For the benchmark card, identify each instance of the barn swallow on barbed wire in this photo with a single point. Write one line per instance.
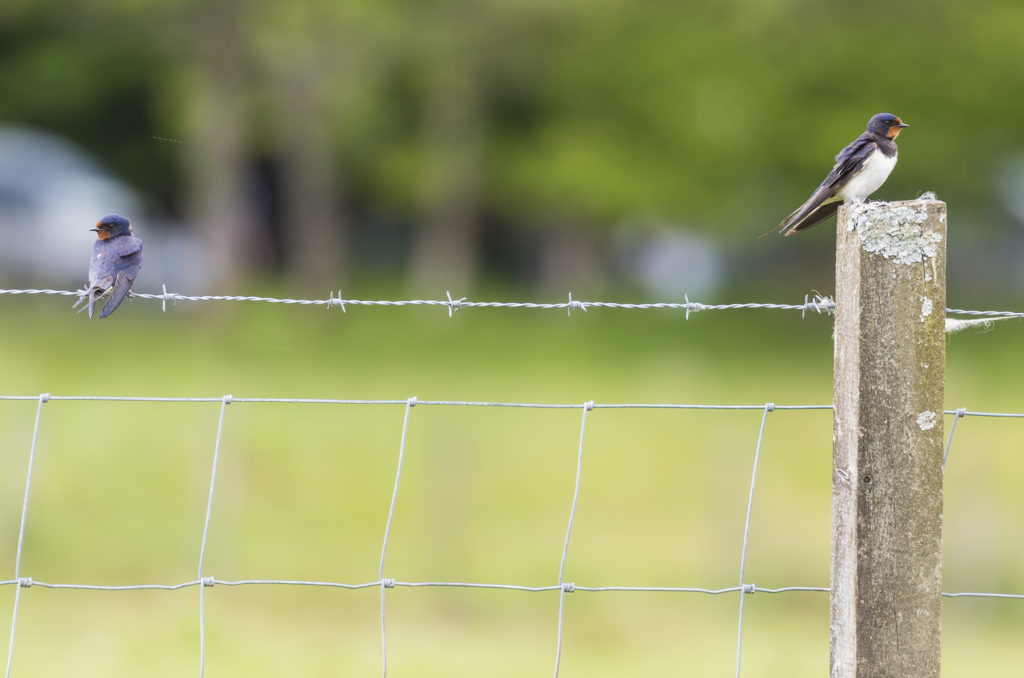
(860, 169)
(116, 260)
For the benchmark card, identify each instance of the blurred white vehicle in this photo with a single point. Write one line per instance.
(51, 194)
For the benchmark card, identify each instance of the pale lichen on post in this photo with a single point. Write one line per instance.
(896, 230)
(926, 420)
(926, 305)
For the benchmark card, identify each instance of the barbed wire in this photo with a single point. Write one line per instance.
(816, 303)
(562, 586)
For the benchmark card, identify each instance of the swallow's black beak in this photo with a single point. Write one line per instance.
(95, 229)
(903, 124)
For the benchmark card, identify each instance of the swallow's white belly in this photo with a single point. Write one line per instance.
(874, 173)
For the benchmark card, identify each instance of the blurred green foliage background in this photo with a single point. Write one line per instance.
(446, 142)
(500, 150)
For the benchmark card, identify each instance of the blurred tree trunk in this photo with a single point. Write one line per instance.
(216, 156)
(315, 232)
(570, 259)
(445, 246)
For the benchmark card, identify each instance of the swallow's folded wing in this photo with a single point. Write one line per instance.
(820, 205)
(127, 269)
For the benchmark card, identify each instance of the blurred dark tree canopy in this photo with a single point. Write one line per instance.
(306, 133)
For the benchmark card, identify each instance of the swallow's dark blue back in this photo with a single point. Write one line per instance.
(115, 264)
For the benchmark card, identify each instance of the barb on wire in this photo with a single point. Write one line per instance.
(453, 304)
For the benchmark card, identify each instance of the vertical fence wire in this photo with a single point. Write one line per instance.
(43, 398)
(387, 583)
(960, 413)
(564, 588)
(745, 588)
(203, 581)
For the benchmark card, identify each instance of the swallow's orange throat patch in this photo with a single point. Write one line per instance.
(102, 235)
(894, 131)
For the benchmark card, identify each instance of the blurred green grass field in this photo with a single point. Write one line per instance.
(119, 490)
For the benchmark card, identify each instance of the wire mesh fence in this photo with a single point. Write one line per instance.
(388, 579)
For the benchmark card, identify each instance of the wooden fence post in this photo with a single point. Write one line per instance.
(887, 439)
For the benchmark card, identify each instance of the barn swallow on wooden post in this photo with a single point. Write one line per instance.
(116, 260)
(860, 169)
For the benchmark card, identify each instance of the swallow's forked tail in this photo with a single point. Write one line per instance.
(773, 229)
(794, 217)
(805, 216)
(91, 295)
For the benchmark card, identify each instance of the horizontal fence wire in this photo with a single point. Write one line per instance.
(819, 304)
(562, 586)
(571, 587)
(960, 412)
